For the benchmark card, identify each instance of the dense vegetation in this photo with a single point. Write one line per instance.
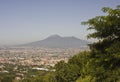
(101, 63)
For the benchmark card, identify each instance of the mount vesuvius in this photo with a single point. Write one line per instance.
(56, 41)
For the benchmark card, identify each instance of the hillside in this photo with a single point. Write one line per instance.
(56, 41)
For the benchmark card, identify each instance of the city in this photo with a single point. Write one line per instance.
(18, 61)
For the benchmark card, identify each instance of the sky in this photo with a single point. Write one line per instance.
(24, 21)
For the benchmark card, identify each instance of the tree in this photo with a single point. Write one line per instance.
(7, 79)
(80, 60)
(106, 28)
(66, 72)
(101, 64)
(105, 54)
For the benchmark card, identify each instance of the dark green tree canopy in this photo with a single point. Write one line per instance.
(106, 27)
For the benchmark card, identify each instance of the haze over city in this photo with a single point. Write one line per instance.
(23, 21)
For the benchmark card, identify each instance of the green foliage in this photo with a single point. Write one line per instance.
(7, 79)
(105, 54)
(80, 60)
(75, 68)
(106, 28)
(46, 77)
(50, 77)
(68, 72)
(86, 79)
(102, 63)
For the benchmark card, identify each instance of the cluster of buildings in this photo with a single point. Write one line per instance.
(19, 61)
(35, 56)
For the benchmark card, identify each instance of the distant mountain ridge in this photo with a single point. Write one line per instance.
(56, 41)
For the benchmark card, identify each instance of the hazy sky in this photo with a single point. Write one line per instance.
(23, 21)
